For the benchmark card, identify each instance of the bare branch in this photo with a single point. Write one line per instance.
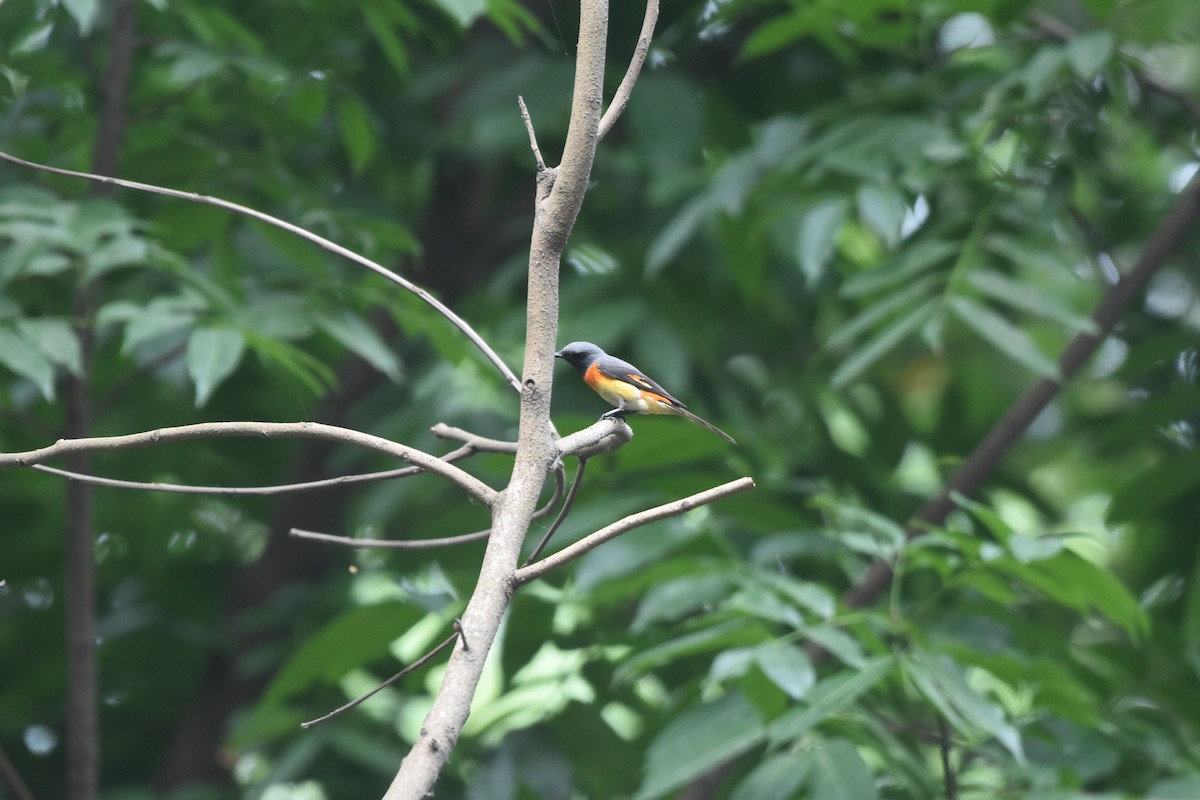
(562, 515)
(389, 544)
(427, 544)
(533, 145)
(295, 230)
(949, 779)
(415, 665)
(179, 488)
(266, 430)
(480, 443)
(12, 778)
(621, 97)
(591, 541)
(602, 436)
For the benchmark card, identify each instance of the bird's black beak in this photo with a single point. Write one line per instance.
(558, 354)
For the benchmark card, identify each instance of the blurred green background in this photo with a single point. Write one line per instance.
(849, 232)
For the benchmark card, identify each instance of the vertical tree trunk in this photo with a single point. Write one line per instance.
(83, 672)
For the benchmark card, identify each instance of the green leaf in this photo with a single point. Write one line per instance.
(1184, 787)
(839, 773)
(358, 132)
(829, 697)
(212, 355)
(1145, 493)
(1094, 587)
(1090, 52)
(698, 739)
(1003, 335)
(882, 208)
(393, 48)
(349, 641)
(778, 32)
(24, 359)
(590, 258)
(278, 315)
(1040, 73)
(845, 647)
(881, 344)
(676, 234)
(787, 666)
(84, 13)
(1030, 299)
(143, 323)
(120, 251)
(817, 234)
(990, 519)
(812, 596)
(878, 311)
(734, 633)
(359, 337)
(941, 681)
(464, 11)
(56, 340)
(776, 777)
(914, 259)
(673, 599)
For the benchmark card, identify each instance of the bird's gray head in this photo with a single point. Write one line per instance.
(580, 355)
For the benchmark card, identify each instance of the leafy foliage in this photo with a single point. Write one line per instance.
(849, 232)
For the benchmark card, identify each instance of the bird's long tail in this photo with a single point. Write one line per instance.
(683, 412)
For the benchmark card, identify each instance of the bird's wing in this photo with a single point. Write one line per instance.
(620, 370)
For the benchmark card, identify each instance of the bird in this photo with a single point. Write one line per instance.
(627, 387)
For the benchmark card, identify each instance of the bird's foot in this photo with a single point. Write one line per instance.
(616, 413)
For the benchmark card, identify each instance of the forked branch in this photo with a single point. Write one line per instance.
(594, 540)
(264, 430)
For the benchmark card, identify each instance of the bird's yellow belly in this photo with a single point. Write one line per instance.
(634, 399)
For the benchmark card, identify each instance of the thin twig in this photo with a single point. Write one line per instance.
(265, 430)
(621, 96)
(562, 514)
(389, 544)
(949, 779)
(13, 778)
(296, 230)
(180, 488)
(426, 544)
(591, 541)
(415, 665)
(533, 145)
(480, 443)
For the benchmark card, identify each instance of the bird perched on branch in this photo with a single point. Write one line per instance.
(626, 387)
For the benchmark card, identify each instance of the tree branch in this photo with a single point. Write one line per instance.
(559, 197)
(475, 442)
(426, 544)
(12, 778)
(591, 541)
(415, 665)
(625, 90)
(562, 515)
(295, 230)
(533, 145)
(602, 436)
(178, 488)
(267, 430)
